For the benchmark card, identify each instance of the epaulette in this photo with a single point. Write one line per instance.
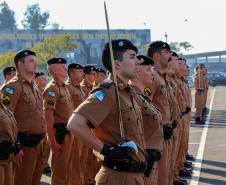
(106, 84)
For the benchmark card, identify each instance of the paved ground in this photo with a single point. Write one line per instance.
(207, 142)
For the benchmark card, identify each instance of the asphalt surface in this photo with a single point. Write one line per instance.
(207, 143)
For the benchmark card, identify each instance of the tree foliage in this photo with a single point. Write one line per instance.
(51, 46)
(7, 18)
(34, 19)
(179, 47)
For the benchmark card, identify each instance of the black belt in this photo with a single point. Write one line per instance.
(30, 140)
(132, 167)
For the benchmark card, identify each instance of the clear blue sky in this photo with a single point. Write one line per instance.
(201, 22)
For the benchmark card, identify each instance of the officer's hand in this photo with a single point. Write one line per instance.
(55, 147)
(18, 158)
(116, 152)
(188, 109)
(167, 131)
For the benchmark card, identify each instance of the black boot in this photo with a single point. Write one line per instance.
(188, 164)
(198, 121)
(190, 157)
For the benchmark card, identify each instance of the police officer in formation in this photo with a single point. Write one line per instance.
(135, 131)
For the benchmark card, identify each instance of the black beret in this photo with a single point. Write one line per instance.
(182, 59)
(56, 61)
(75, 66)
(174, 54)
(88, 69)
(8, 69)
(145, 60)
(23, 53)
(159, 45)
(202, 65)
(99, 70)
(39, 74)
(121, 44)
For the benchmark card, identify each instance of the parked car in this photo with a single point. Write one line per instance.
(217, 78)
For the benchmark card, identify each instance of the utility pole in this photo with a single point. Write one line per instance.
(166, 37)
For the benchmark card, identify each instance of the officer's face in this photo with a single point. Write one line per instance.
(29, 64)
(77, 74)
(173, 64)
(100, 77)
(91, 77)
(146, 75)
(128, 64)
(60, 70)
(41, 81)
(165, 57)
(11, 75)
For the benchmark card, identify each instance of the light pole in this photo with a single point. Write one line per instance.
(166, 37)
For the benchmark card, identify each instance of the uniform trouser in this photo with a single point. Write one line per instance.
(177, 147)
(153, 178)
(6, 176)
(75, 172)
(181, 150)
(92, 167)
(164, 165)
(187, 129)
(83, 164)
(174, 149)
(205, 98)
(199, 102)
(33, 163)
(107, 176)
(61, 162)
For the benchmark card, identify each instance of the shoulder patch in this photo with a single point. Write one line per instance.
(9, 90)
(6, 100)
(51, 94)
(100, 95)
(147, 91)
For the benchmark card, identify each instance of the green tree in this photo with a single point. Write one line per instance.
(52, 46)
(34, 19)
(179, 47)
(7, 18)
(7, 59)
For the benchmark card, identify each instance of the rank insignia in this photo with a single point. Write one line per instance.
(126, 109)
(9, 90)
(6, 100)
(50, 102)
(147, 91)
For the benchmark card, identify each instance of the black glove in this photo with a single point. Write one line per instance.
(188, 109)
(174, 124)
(116, 152)
(17, 147)
(167, 131)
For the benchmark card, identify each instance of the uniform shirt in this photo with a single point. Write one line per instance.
(159, 96)
(87, 88)
(77, 94)
(199, 82)
(181, 96)
(8, 128)
(152, 118)
(173, 94)
(100, 109)
(24, 99)
(57, 98)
